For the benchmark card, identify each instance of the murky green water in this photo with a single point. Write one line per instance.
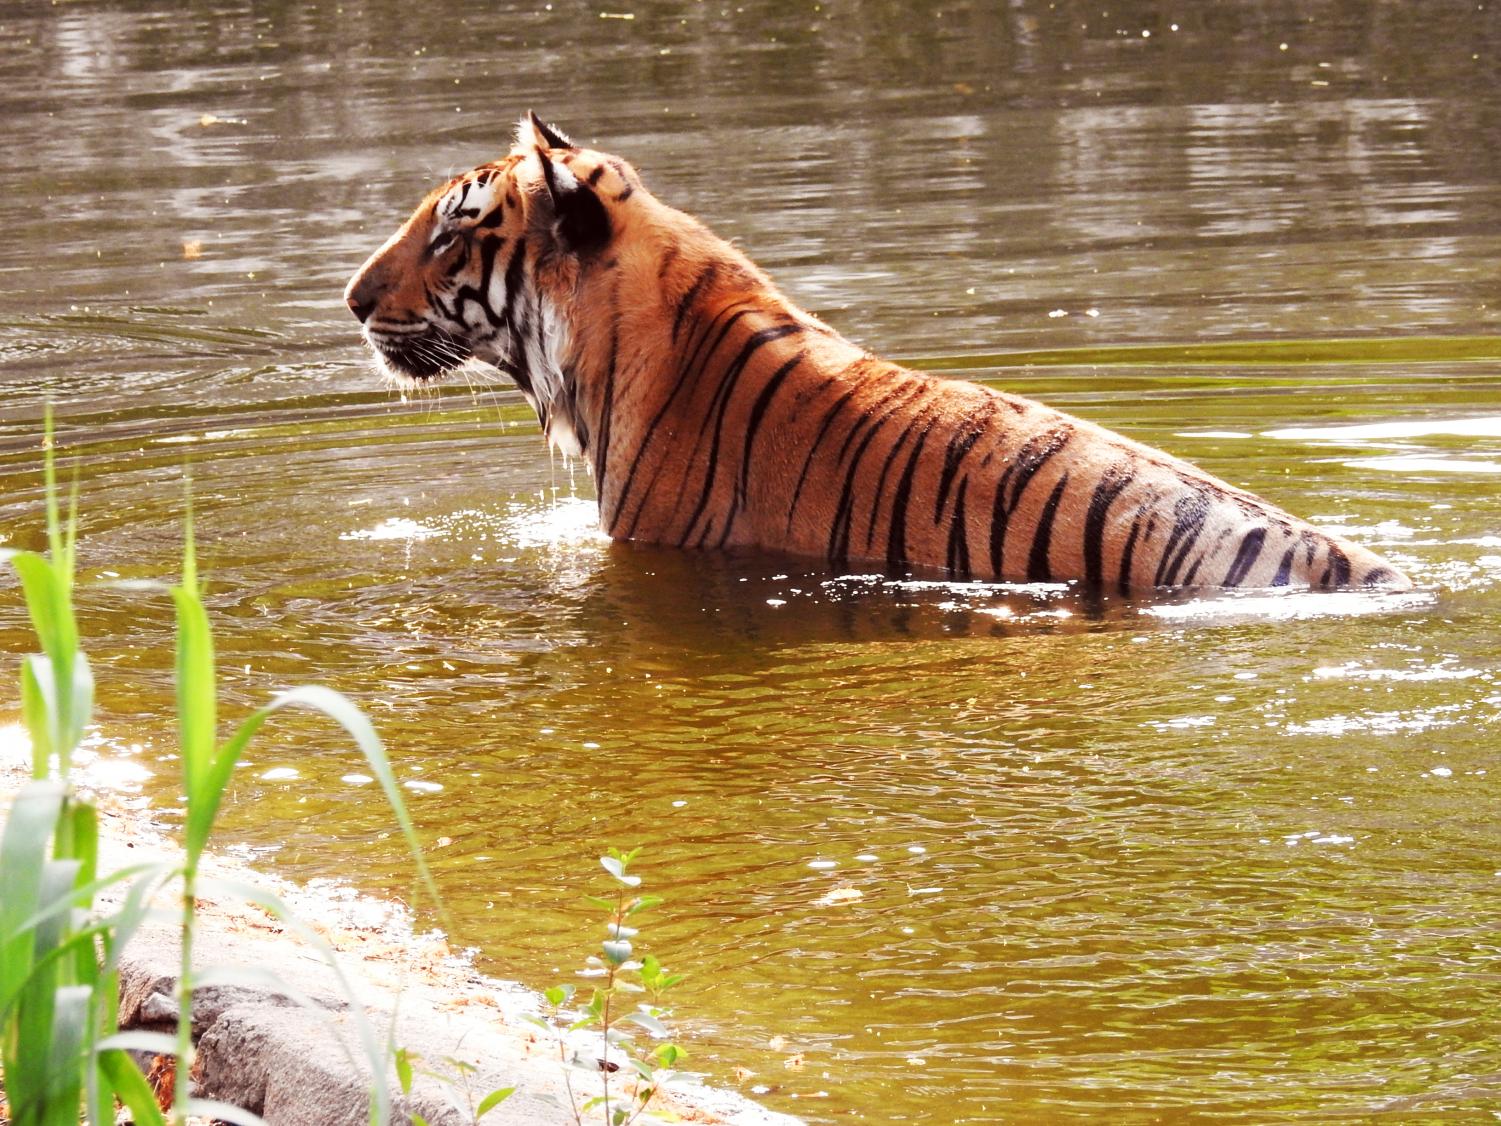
(1234, 858)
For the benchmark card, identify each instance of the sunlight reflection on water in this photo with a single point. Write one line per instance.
(1293, 605)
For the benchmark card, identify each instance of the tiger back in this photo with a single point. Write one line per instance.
(714, 413)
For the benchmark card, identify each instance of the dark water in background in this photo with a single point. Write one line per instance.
(1237, 860)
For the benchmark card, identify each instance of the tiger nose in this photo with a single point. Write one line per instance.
(360, 303)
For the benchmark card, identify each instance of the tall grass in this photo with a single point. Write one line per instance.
(61, 1054)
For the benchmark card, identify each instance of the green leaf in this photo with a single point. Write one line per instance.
(643, 903)
(130, 1086)
(667, 1055)
(196, 699)
(493, 1100)
(463, 1067)
(559, 995)
(342, 710)
(37, 712)
(616, 869)
(66, 1061)
(646, 1021)
(23, 847)
(45, 603)
(58, 880)
(140, 1040)
(642, 1068)
(616, 952)
(404, 1070)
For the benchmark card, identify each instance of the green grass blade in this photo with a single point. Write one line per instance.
(136, 906)
(130, 1087)
(203, 811)
(37, 713)
(55, 714)
(48, 601)
(65, 1055)
(343, 711)
(158, 872)
(23, 849)
(493, 1100)
(49, 475)
(59, 879)
(196, 703)
(106, 1018)
(80, 705)
(140, 1040)
(82, 823)
(26, 992)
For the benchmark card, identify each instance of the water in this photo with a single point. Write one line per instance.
(976, 854)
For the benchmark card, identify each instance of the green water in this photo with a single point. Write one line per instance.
(1235, 859)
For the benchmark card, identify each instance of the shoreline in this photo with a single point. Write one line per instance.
(289, 1049)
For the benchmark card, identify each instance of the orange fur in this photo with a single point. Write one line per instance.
(715, 413)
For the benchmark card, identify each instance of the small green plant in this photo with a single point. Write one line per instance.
(607, 1014)
(61, 1055)
(457, 1077)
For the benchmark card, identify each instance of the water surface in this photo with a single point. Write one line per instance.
(974, 853)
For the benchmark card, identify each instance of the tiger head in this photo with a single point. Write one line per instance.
(490, 267)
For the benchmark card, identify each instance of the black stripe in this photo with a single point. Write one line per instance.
(514, 270)
(686, 302)
(828, 420)
(879, 492)
(1125, 583)
(1036, 453)
(1038, 570)
(1285, 568)
(839, 533)
(719, 408)
(958, 447)
(607, 408)
(753, 424)
(1250, 551)
(958, 551)
(689, 365)
(1188, 523)
(896, 541)
(1340, 564)
(1112, 483)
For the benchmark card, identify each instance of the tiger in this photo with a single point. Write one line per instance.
(713, 413)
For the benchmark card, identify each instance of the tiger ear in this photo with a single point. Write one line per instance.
(534, 133)
(579, 220)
